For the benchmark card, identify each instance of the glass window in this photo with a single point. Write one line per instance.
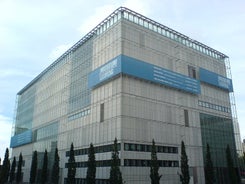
(102, 112)
(111, 21)
(176, 164)
(141, 22)
(142, 148)
(171, 35)
(148, 148)
(170, 149)
(143, 163)
(132, 147)
(133, 162)
(150, 26)
(131, 18)
(115, 18)
(198, 47)
(126, 162)
(218, 133)
(136, 20)
(125, 15)
(184, 41)
(159, 30)
(200, 103)
(160, 149)
(175, 150)
(119, 16)
(137, 147)
(192, 72)
(175, 37)
(163, 32)
(154, 28)
(186, 116)
(194, 45)
(146, 24)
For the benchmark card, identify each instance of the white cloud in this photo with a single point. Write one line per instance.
(100, 14)
(58, 51)
(141, 6)
(14, 73)
(5, 134)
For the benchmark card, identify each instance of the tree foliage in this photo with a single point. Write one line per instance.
(184, 175)
(115, 173)
(55, 168)
(71, 167)
(154, 165)
(5, 168)
(33, 172)
(45, 168)
(12, 171)
(91, 171)
(209, 170)
(19, 169)
(230, 166)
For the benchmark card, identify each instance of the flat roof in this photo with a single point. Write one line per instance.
(125, 13)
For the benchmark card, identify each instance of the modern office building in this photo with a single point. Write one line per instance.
(136, 80)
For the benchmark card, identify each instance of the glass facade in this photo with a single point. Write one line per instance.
(214, 106)
(25, 111)
(46, 132)
(218, 133)
(81, 64)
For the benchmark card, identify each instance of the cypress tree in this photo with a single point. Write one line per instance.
(243, 157)
(209, 170)
(56, 168)
(71, 167)
(5, 168)
(91, 171)
(230, 165)
(115, 173)
(45, 168)
(184, 176)
(19, 169)
(154, 165)
(12, 171)
(33, 172)
(0, 167)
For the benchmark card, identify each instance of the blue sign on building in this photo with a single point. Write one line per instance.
(21, 139)
(105, 72)
(140, 69)
(215, 79)
(159, 75)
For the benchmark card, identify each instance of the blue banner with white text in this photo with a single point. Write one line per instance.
(140, 69)
(21, 139)
(215, 79)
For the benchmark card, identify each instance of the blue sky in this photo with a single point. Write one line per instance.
(34, 33)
